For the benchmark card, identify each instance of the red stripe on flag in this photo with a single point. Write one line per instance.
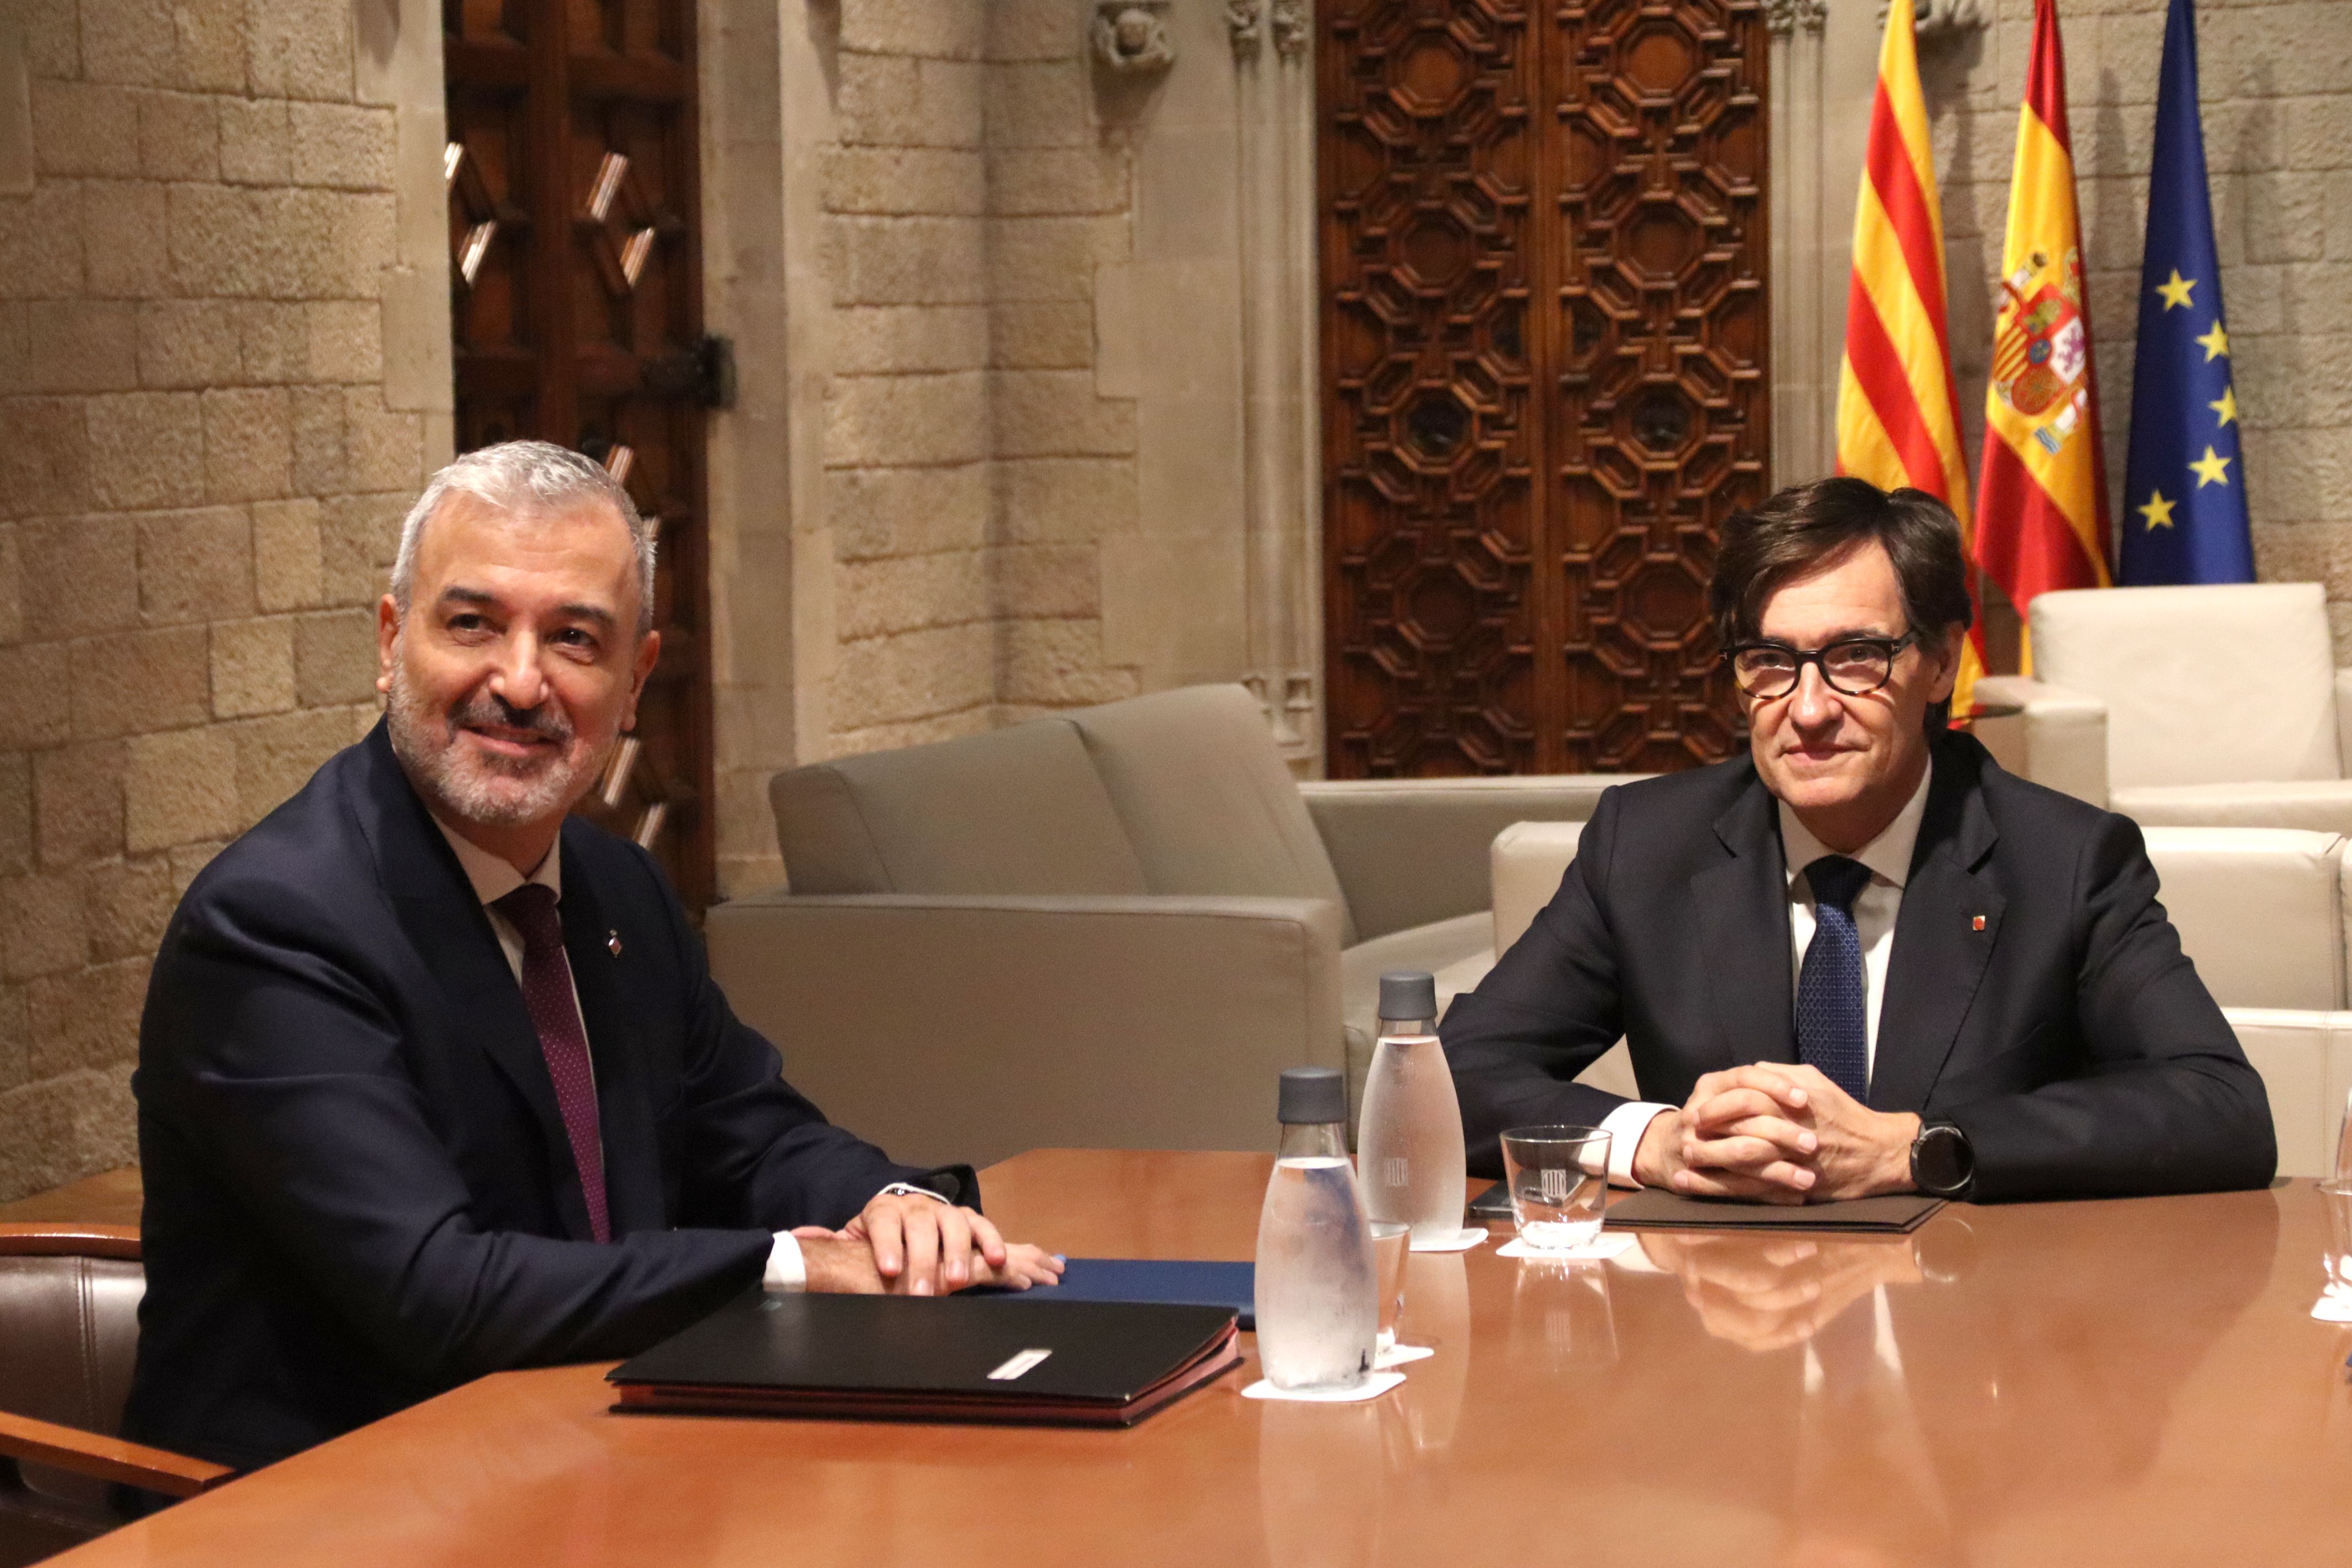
(2045, 74)
(2023, 537)
(1878, 368)
(1897, 184)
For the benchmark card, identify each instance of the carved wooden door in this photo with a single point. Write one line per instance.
(576, 277)
(1544, 254)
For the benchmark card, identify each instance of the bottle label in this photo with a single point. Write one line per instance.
(1396, 1171)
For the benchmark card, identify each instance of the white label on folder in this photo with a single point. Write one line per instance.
(1017, 1365)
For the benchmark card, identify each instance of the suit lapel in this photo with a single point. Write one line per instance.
(1940, 950)
(633, 1186)
(1743, 905)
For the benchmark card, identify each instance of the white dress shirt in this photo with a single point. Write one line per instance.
(493, 879)
(1888, 855)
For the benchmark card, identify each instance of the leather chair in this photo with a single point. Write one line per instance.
(1111, 927)
(68, 1332)
(2305, 1059)
(2185, 707)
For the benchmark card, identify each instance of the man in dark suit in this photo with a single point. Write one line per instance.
(1862, 959)
(434, 1079)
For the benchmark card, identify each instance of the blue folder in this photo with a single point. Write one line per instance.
(1177, 1282)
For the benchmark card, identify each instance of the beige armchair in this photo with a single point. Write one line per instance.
(2186, 707)
(1110, 927)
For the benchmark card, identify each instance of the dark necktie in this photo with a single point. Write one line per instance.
(1832, 1025)
(562, 1038)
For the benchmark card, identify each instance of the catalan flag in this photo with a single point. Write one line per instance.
(2042, 515)
(2184, 516)
(1899, 419)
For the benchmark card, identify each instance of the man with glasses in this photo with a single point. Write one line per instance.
(1862, 959)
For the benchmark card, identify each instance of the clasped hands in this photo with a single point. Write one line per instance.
(902, 1245)
(1776, 1134)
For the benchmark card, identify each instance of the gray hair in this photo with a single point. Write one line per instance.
(526, 478)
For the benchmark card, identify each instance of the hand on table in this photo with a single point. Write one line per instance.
(903, 1246)
(1776, 1132)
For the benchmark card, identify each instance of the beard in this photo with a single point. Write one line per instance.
(494, 792)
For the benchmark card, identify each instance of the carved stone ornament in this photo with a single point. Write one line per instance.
(1948, 18)
(1783, 17)
(1246, 20)
(1294, 27)
(1131, 35)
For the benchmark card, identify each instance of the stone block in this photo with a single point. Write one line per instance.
(253, 667)
(948, 180)
(88, 1019)
(893, 100)
(248, 450)
(341, 145)
(82, 345)
(1037, 30)
(879, 338)
(211, 44)
(898, 420)
(1058, 181)
(2319, 298)
(130, 41)
(385, 450)
(2317, 131)
(1032, 258)
(256, 141)
(195, 566)
(345, 341)
(911, 261)
(948, 29)
(45, 461)
(186, 860)
(277, 756)
(1054, 412)
(274, 341)
(147, 449)
(15, 815)
(2339, 209)
(876, 598)
(334, 657)
(223, 243)
(1058, 664)
(362, 231)
(40, 243)
(12, 588)
(179, 136)
(1038, 105)
(43, 927)
(15, 349)
(321, 467)
(65, 1129)
(81, 576)
(187, 343)
(129, 682)
(52, 37)
(78, 803)
(915, 675)
(2282, 217)
(907, 512)
(299, 50)
(85, 127)
(358, 536)
(1053, 501)
(129, 903)
(37, 709)
(182, 788)
(1042, 579)
(288, 567)
(891, 737)
(126, 238)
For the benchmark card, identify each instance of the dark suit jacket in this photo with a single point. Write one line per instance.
(2069, 1038)
(358, 1192)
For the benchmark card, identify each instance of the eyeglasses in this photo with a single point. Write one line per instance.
(1854, 665)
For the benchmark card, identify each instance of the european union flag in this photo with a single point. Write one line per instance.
(2185, 487)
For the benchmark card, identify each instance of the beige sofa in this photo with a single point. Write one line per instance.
(2261, 911)
(1111, 927)
(2185, 707)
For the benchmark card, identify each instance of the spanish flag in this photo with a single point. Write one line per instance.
(2043, 521)
(1898, 420)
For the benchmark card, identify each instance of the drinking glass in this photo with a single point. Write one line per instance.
(2335, 1304)
(1392, 1242)
(1559, 1180)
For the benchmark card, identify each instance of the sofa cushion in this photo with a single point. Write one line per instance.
(2313, 805)
(2203, 685)
(2259, 911)
(1205, 799)
(1018, 810)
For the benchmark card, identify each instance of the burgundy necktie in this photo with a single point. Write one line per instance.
(563, 1039)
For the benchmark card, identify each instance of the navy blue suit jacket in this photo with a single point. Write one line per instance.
(2036, 995)
(358, 1192)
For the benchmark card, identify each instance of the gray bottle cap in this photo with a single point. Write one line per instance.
(1312, 1095)
(1408, 993)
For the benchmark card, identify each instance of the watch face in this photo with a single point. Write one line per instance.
(1942, 1162)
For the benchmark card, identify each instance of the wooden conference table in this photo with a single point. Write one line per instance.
(2134, 1382)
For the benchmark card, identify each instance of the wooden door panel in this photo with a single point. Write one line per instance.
(578, 317)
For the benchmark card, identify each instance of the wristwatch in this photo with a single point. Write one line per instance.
(1942, 1164)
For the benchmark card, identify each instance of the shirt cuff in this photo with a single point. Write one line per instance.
(1626, 1126)
(787, 1270)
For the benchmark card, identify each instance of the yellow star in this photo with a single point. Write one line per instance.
(2210, 470)
(2176, 291)
(2158, 511)
(2227, 407)
(2216, 342)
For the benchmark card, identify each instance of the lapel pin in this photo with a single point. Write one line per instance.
(613, 938)
(1975, 924)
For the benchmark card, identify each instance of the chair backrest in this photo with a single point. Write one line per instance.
(1528, 860)
(69, 1333)
(2260, 912)
(2205, 685)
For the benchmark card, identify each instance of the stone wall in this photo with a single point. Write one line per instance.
(2276, 81)
(223, 369)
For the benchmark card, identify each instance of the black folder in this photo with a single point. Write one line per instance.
(1653, 1209)
(957, 1358)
